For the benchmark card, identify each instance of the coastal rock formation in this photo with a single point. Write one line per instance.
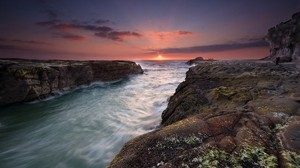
(197, 60)
(28, 80)
(225, 114)
(284, 40)
(230, 114)
(193, 61)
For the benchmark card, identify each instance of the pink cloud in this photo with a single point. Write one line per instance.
(171, 35)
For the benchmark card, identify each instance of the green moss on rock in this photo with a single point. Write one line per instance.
(292, 158)
(245, 157)
(179, 141)
(28, 71)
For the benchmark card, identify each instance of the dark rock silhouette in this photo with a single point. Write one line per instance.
(284, 40)
(198, 60)
(193, 61)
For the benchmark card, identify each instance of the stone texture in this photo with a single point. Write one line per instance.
(28, 80)
(284, 40)
(225, 114)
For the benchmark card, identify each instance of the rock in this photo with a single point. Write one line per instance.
(284, 40)
(197, 60)
(193, 61)
(28, 80)
(225, 114)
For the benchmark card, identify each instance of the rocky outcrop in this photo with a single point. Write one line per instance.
(193, 61)
(197, 60)
(28, 80)
(225, 114)
(284, 40)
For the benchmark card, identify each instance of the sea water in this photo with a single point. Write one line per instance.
(87, 127)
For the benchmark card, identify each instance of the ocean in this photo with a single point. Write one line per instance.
(88, 126)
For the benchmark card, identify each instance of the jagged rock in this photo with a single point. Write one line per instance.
(28, 80)
(284, 40)
(225, 114)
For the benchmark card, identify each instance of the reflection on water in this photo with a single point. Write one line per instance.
(87, 128)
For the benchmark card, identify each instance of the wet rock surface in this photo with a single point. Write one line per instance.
(225, 114)
(28, 80)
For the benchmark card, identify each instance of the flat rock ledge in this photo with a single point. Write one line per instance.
(225, 114)
(28, 80)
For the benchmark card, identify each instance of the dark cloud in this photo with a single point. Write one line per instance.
(48, 23)
(185, 32)
(24, 41)
(30, 42)
(102, 21)
(117, 35)
(69, 36)
(99, 31)
(251, 38)
(8, 47)
(215, 47)
(5, 47)
(3, 39)
(52, 14)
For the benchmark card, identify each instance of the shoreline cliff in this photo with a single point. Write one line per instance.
(229, 114)
(28, 80)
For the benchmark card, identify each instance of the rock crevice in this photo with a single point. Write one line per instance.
(225, 114)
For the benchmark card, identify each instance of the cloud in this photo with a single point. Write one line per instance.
(214, 48)
(52, 14)
(180, 32)
(3, 39)
(8, 47)
(117, 35)
(24, 41)
(102, 21)
(69, 36)
(30, 42)
(171, 35)
(47, 23)
(99, 31)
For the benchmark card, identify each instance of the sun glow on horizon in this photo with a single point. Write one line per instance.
(159, 57)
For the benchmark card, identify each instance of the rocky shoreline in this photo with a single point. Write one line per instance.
(28, 80)
(225, 113)
(230, 113)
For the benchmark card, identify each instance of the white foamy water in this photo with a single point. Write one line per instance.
(87, 127)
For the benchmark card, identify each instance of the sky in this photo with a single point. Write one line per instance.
(139, 29)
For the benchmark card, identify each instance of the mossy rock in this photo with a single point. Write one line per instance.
(28, 71)
(233, 94)
(291, 159)
(245, 157)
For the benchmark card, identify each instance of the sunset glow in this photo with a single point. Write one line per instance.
(108, 30)
(159, 57)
